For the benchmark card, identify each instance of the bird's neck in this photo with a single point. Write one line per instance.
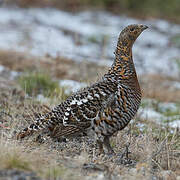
(123, 69)
(123, 65)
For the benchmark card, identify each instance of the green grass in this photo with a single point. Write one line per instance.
(58, 172)
(178, 64)
(166, 8)
(34, 83)
(150, 103)
(101, 39)
(169, 113)
(176, 40)
(12, 158)
(144, 103)
(55, 172)
(94, 39)
(13, 161)
(161, 107)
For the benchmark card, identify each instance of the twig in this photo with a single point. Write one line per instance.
(158, 151)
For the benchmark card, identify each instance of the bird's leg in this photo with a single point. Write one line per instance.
(127, 150)
(123, 158)
(100, 144)
(108, 146)
(125, 153)
(24, 133)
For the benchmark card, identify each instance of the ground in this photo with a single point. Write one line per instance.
(152, 147)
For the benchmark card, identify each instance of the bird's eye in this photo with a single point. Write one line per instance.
(132, 29)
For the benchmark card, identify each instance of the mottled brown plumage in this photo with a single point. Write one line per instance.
(105, 107)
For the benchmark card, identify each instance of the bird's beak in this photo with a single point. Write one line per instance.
(144, 27)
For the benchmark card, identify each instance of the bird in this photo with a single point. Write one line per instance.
(103, 108)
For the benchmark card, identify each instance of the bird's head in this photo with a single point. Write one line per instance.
(129, 34)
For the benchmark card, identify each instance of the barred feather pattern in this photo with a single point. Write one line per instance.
(103, 108)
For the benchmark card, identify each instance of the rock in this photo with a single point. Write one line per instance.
(17, 175)
(168, 175)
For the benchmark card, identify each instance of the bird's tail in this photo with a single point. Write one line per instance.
(39, 124)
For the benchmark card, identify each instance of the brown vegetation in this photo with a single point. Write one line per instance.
(160, 87)
(58, 67)
(143, 9)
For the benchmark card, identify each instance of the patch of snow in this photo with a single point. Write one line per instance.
(1, 68)
(148, 113)
(6, 72)
(176, 84)
(175, 123)
(71, 86)
(168, 106)
(141, 126)
(42, 99)
(42, 31)
(14, 74)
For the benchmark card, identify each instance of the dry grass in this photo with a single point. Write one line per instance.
(153, 151)
(160, 88)
(31, 157)
(26, 156)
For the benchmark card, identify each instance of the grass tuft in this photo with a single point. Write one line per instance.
(176, 40)
(14, 162)
(57, 172)
(13, 157)
(35, 83)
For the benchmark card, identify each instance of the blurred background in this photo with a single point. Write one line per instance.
(52, 48)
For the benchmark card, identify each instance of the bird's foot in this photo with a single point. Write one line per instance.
(110, 154)
(40, 139)
(123, 158)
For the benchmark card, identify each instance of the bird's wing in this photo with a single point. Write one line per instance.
(61, 130)
(76, 112)
(83, 107)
